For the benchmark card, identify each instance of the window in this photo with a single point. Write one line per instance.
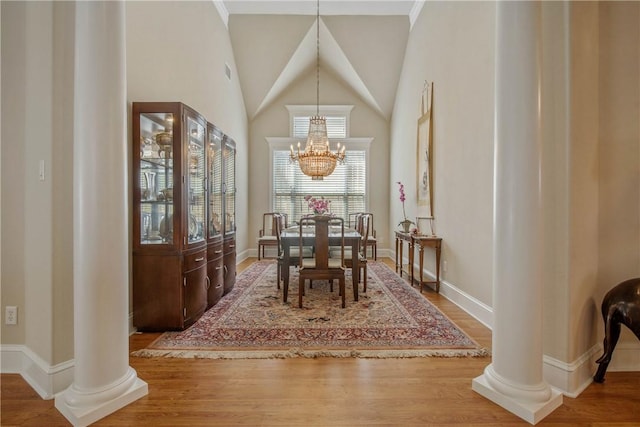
(345, 187)
(336, 127)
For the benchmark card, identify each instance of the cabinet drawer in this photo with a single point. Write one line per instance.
(214, 251)
(229, 246)
(195, 260)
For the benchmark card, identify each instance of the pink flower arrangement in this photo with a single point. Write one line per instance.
(319, 205)
(403, 197)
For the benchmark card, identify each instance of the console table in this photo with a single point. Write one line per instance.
(419, 241)
(401, 238)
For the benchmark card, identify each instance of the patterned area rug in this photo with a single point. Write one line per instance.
(391, 319)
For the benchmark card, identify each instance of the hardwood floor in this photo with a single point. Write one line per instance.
(327, 392)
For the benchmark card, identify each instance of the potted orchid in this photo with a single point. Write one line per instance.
(319, 206)
(405, 223)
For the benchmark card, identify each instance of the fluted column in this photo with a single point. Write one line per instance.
(514, 378)
(103, 381)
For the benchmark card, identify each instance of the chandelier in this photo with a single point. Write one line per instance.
(317, 160)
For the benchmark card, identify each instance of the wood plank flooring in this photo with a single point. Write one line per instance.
(327, 392)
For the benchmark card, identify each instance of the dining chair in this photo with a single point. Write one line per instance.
(294, 255)
(322, 267)
(372, 240)
(267, 234)
(363, 226)
(353, 219)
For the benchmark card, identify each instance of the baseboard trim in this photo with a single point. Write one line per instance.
(626, 357)
(46, 380)
(247, 253)
(472, 306)
(571, 378)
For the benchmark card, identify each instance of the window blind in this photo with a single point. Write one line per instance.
(336, 127)
(345, 187)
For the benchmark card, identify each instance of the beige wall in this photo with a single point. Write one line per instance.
(619, 150)
(570, 177)
(176, 51)
(13, 158)
(451, 44)
(274, 122)
(37, 225)
(591, 149)
(37, 87)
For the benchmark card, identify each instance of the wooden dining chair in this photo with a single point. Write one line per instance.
(353, 219)
(294, 253)
(322, 267)
(363, 226)
(267, 234)
(372, 241)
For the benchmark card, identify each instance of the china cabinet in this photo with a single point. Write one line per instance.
(215, 264)
(179, 215)
(229, 197)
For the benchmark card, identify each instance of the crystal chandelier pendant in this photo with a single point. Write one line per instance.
(317, 160)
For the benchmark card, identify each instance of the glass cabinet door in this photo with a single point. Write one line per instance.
(195, 219)
(156, 178)
(214, 168)
(229, 186)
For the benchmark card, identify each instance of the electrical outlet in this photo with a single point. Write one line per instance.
(11, 315)
(444, 266)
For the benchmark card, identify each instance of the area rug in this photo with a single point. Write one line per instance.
(391, 320)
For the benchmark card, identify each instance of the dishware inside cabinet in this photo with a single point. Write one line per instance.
(156, 178)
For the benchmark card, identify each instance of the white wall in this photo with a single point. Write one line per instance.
(619, 156)
(177, 51)
(591, 174)
(452, 45)
(165, 62)
(274, 122)
(37, 42)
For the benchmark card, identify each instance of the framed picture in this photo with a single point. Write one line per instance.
(424, 224)
(425, 153)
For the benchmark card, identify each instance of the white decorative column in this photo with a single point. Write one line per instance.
(514, 378)
(103, 381)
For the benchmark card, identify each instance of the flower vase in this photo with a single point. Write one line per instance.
(406, 224)
(150, 191)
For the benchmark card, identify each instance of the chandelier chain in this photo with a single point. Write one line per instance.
(317, 160)
(318, 59)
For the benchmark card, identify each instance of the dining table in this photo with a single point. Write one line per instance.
(290, 237)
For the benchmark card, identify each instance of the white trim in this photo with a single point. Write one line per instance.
(325, 110)
(46, 380)
(571, 378)
(415, 12)
(243, 255)
(530, 411)
(82, 408)
(472, 306)
(337, 110)
(222, 11)
(626, 357)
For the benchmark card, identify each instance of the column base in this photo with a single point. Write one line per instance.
(83, 408)
(532, 411)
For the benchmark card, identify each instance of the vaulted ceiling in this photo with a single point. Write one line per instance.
(362, 44)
